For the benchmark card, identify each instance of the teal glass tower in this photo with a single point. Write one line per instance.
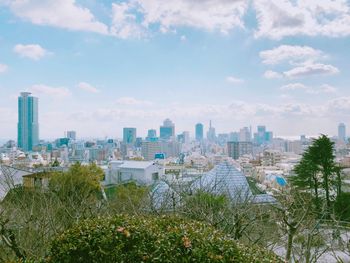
(28, 123)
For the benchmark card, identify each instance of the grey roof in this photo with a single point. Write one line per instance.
(136, 164)
(225, 179)
(264, 198)
(10, 177)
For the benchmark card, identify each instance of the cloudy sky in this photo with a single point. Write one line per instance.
(100, 65)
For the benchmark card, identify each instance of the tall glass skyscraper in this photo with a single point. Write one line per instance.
(199, 132)
(28, 123)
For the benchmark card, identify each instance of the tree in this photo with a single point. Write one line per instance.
(318, 168)
(307, 176)
(78, 190)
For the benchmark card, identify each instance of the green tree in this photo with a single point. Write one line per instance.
(78, 190)
(318, 168)
(307, 176)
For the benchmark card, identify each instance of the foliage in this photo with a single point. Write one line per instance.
(127, 198)
(31, 217)
(150, 239)
(342, 207)
(318, 169)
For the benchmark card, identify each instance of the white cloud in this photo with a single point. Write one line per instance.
(323, 89)
(130, 101)
(124, 22)
(63, 14)
(234, 80)
(3, 68)
(290, 54)
(311, 69)
(269, 74)
(281, 18)
(88, 87)
(32, 51)
(55, 92)
(135, 18)
(294, 86)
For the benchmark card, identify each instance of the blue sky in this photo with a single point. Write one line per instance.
(98, 66)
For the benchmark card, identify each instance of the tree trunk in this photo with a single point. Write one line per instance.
(291, 233)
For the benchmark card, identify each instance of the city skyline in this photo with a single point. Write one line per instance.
(99, 66)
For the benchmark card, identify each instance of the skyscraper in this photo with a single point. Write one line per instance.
(71, 135)
(245, 135)
(199, 132)
(238, 149)
(211, 135)
(342, 132)
(151, 134)
(129, 135)
(167, 130)
(28, 123)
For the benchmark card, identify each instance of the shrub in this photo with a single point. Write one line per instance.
(150, 239)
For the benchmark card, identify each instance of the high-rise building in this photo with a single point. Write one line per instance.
(245, 135)
(28, 123)
(71, 135)
(129, 135)
(152, 134)
(149, 149)
(167, 130)
(342, 132)
(199, 132)
(211, 135)
(238, 149)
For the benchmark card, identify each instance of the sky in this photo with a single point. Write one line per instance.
(100, 65)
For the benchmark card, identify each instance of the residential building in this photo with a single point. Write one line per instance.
(141, 172)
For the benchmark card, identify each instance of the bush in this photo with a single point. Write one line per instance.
(150, 239)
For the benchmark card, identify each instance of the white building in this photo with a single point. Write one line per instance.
(141, 172)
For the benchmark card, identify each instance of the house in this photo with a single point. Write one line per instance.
(141, 172)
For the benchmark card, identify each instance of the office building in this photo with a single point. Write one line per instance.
(149, 149)
(71, 135)
(28, 123)
(151, 134)
(167, 130)
(129, 135)
(245, 135)
(238, 149)
(211, 135)
(342, 132)
(199, 132)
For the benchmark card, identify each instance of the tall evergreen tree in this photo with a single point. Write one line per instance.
(318, 169)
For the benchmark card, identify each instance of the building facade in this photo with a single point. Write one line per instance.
(167, 130)
(28, 122)
(342, 132)
(238, 149)
(129, 135)
(199, 132)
